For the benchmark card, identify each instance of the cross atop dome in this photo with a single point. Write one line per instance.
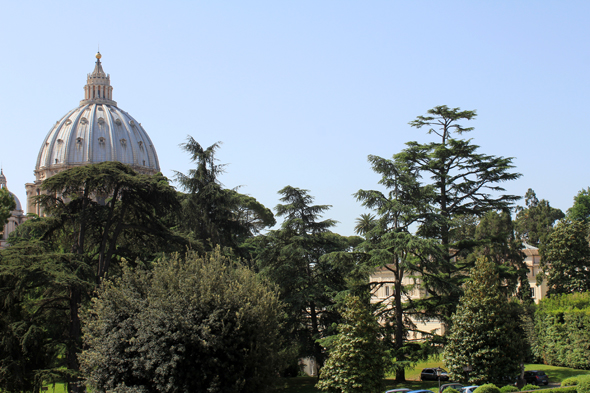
(98, 89)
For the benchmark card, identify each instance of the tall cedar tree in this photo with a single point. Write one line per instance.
(484, 333)
(566, 258)
(214, 215)
(390, 247)
(355, 362)
(98, 214)
(535, 221)
(465, 183)
(7, 205)
(292, 257)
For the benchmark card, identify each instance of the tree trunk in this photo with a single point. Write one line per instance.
(75, 335)
(400, 374)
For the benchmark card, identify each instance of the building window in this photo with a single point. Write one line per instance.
(533, 292)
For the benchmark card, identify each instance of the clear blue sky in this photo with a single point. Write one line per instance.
(301, 92)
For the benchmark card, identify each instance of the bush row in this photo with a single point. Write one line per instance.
(562, 324)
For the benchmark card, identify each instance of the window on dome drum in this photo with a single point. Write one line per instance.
(532, 292)
(386, 290)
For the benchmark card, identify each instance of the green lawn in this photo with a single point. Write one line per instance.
(306, 384)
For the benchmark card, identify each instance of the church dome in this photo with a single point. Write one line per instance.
(3, 185)
(96, 131)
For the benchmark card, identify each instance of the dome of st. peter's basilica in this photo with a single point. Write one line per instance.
(96, 131)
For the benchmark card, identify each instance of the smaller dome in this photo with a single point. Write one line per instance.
(3, 185)
(18, 205)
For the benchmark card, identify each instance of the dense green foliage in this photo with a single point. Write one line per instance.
(355, 362)
(35, 284)
(97, 215)
(529, 387)
(509, 389)
(563, 330)
(214, 215)
(534, 222)
(583, 384)
(580, 211)
(571, 381)
(7, 205)
(292, 257)
(199, 324)
(566, 258)
(484, 333)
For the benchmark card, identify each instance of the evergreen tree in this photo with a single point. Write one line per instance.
(355, 362)
(566, 258)
(389, 246)
(211, 213)
(7, 205)
(465, 183)
(484, 334)
(293, 258)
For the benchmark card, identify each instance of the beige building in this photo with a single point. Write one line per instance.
(533, 260)
(384, 280)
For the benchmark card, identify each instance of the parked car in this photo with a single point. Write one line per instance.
(536, 377)
(399, 390)
(434, 374)
(420, 391)
(454, 385)
(468, 389)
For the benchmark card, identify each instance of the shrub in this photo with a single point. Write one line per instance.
(529, 387)
(487, 388)
(509, 389)
(571, 381)
(583, 384)
(451, 390)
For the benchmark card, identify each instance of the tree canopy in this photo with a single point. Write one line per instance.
(581, 208)
(566, 258)
(484, 334)
(355, 364)
(212, 214)
(535, 221)
(293, 258)
(194, 324)
(7, 205)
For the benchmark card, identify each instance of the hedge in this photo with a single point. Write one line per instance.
(563, 330)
